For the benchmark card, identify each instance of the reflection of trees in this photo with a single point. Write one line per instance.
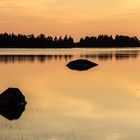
(99, 56)
(110, 56)
(102, 56)
(32, 58)
(120, 55)
(125, 56)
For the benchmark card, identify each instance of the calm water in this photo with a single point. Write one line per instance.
(102, 103)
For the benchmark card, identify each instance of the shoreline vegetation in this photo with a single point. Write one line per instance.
(12, 40)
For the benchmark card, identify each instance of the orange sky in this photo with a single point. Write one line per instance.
(75, 17)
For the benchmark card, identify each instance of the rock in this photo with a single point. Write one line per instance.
(81, 64)
(12, 103)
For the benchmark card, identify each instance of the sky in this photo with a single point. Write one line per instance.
(77, 18)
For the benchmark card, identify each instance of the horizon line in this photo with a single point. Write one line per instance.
(35, 35)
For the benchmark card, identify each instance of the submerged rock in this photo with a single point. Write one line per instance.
(81, 64)
(12, 103)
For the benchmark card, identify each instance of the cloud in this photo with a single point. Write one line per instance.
(76, 17)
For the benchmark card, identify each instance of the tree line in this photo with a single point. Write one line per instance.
(42, 41)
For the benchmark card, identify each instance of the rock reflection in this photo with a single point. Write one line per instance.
(12, 103)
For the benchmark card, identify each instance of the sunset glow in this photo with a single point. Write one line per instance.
(76, 18)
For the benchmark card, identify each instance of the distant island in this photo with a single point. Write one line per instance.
(41, 41)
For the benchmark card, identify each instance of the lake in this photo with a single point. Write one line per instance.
(102, 103)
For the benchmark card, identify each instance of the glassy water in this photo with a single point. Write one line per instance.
(102, 103)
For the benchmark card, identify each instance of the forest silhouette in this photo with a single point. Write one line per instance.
(42, 41)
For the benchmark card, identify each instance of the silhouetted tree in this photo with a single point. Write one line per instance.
(41, 41)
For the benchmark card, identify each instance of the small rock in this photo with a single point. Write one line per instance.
(81, 64)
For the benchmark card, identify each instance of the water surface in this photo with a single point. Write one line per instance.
(102, 103)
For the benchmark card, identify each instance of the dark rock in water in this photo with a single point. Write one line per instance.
(12, 97)
(12, 103)
(81, 64)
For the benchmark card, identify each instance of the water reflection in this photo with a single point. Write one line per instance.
(99, 104)
(125, 56)
(112, 55)
(101, 56)
(31, 58)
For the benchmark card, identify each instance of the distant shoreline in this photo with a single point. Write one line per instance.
(45, 47)
(41, 41)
